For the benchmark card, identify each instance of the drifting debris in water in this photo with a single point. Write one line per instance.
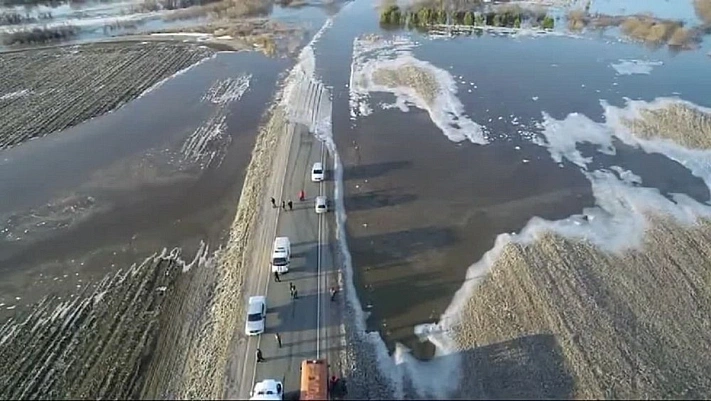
(630, 67)
(209, 142)
(59, 214)
(228, 90)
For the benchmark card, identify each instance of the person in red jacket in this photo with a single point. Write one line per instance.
(302, 195)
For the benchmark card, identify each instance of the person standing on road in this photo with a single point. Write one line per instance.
(277, 337)
(333, 293)
(291, 205)
(291, 287)
(283, 205)
(273, 202)
(277, 279)
(302, 195)
(260, 358)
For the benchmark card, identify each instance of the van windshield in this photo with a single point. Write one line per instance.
(318, 171)
(279, 261)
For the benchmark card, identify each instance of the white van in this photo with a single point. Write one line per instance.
(267, 390)
(321, 204)
(317, 173)
(281, 255)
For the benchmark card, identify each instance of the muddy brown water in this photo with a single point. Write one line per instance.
(141, 197)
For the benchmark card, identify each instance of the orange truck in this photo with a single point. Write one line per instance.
(314, 380)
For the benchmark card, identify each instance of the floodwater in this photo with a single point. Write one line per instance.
(113, 190)
(421, 209)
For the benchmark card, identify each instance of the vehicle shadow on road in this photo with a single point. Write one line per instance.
(331, 339)
(290, 316)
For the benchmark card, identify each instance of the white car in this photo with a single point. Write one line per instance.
(321, 204)
(267, 390)
(256, 315)
(317, 172)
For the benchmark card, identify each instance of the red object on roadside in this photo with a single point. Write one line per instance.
(302, 195)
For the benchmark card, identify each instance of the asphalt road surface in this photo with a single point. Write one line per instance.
(309, 325)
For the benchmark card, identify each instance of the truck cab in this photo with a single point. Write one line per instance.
(281, 255)
(267, 390)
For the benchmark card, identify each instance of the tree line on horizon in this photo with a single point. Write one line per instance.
(394, 16)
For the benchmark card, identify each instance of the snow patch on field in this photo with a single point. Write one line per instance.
(427, 87)
(15, 95)
(632, 67)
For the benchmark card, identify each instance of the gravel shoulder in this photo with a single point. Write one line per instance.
(562, 319)
(48, 90)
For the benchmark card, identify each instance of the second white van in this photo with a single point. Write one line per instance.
(281, 255)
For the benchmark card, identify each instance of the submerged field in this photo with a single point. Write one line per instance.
(563, 319)
(118, 339)
(47, 90)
